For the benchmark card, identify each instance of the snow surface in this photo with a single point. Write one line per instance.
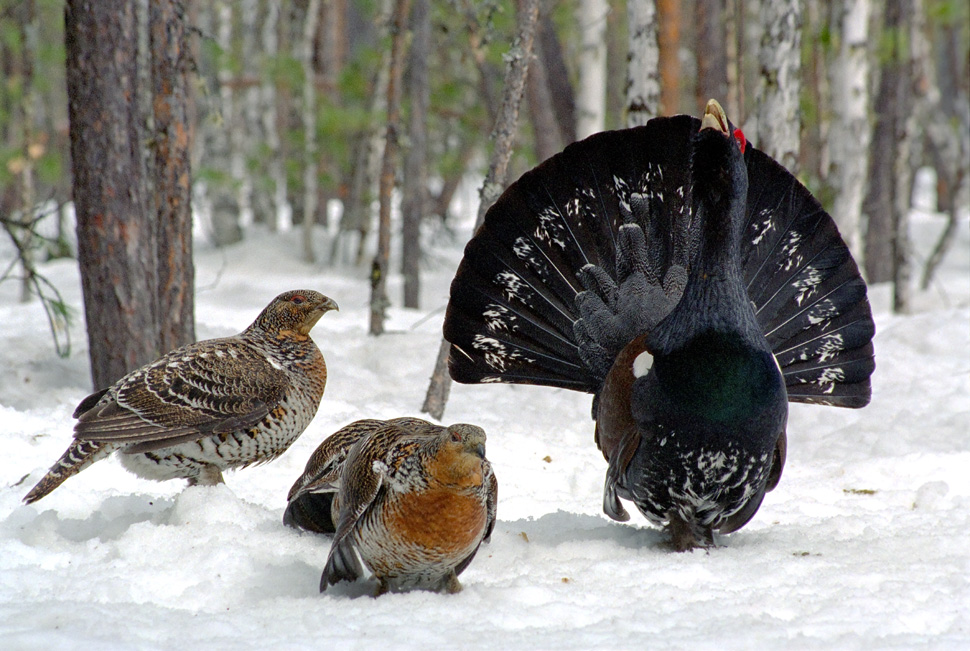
(863, 545)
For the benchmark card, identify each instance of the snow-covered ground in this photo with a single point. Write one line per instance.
(863, 545)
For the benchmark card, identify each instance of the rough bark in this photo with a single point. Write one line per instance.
(414, 200)
(643, 63)
(171, 173)
(591, 93)
(116, 238)
(379, 268)
(850, 131)
(503, 134)
(779, 58)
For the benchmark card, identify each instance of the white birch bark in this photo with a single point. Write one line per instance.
(779, 58)
(850, 132)
(643, 63)
(591, 95)
(309, 129)
(280, 219)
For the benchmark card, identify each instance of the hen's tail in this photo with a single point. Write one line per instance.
(589, 250)
(79, 456)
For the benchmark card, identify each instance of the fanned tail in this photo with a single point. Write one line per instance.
(590, 249)
(554, 237)
(79, 456)
(809, 296)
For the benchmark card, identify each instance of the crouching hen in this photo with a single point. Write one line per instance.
(694, 287)
(209, 406)
(411, 500)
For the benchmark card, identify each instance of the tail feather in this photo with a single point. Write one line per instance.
(78, 456)
(809, 296)
(514, 314)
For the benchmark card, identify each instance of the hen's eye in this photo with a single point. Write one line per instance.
(456, 437)
(299, 299)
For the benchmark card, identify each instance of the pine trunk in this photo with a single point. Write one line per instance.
(379, 268)
(172, 173)
(712, 67)
(116, 234)
(505, 128)
(414, 200)
(668, 41)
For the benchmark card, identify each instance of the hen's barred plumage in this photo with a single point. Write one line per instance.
(410, 500)
(668, 258)
(208, 406)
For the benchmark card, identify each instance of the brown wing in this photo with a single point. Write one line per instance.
(211, 387)
(361, 482)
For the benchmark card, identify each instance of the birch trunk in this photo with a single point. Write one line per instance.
(591, 98)
(779, 58)
(643, 68)
(850, 131)
(309, 119)
(518, 60)
(281, 218)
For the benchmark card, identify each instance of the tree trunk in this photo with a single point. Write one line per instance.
(28, 34)
(414, 200)
(518, 60)
(172, 173)
(643, 69)
(549, 49)
(734, 27)
(545, 128)
(379, 269)
(309, 119)
(591, 97)
(280, 219)
(116, 236)
(890, 177)
(668, 41)
(711, 39)
(220, 150)
(779, 58)
(850, 132)
(948, 138)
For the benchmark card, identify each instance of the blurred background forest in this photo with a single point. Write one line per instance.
(358, 120)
